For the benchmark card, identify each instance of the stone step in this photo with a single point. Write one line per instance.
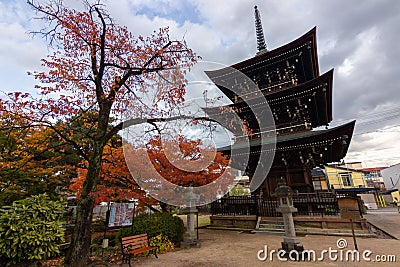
(268, 229)
(315, 232)
(272, 226)
(279, 233)
(271, 223)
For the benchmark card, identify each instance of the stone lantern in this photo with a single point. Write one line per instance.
(284, 194)
(190, 238)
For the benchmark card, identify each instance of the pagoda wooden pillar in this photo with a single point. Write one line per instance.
(267, 188)
(307, 180)
(288, 177)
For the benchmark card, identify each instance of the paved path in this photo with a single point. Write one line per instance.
(229, 248)
(387, 219)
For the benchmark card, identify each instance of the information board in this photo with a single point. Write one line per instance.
(121, 214)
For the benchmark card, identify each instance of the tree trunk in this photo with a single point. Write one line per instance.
(163, 206)
(151, 207)
(79, 250)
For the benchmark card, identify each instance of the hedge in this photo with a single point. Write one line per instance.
(154, 224)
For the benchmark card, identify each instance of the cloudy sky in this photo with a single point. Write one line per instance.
(360, 39)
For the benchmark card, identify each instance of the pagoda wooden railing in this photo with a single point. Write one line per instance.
(308, 204)
(284, 129)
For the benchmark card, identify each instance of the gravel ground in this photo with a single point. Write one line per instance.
(229, 248)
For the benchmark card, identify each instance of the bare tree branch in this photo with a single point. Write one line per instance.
(152, 121)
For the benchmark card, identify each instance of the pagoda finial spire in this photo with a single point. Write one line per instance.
(261, 46)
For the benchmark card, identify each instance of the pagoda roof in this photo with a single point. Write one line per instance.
(333, 144)
(298, 57)
(315, 94)
(313, 97)
(308, 39)
(309, 138)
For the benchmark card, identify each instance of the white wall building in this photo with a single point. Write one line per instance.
(391, 177)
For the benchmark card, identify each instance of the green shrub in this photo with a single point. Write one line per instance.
(31, 230)
(162, 242)
(154, 224)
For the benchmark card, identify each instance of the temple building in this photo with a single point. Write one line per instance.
(300, 100)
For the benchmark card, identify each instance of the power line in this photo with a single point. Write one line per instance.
(372, 119)
(372, 115)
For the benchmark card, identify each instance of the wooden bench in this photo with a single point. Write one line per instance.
(135, 245)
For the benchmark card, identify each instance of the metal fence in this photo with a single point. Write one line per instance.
(308, 204)
(316, 204)
(235, 205)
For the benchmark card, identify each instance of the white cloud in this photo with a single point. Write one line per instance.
(366, 48)
(325, 46)
(17, 48)
(346, 69)
(19, 52)
(359, 38)
(375, 149)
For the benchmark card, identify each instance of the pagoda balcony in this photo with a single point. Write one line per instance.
(309, 102)
(281, 130)
(309, 148)
(269, 89)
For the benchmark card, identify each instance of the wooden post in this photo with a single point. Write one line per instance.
(267, 191)
(288, 177)
(354, 235)
(307, 180)
(105, 229)
(197, 225)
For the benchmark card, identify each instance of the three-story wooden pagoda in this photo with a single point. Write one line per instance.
(300, 100)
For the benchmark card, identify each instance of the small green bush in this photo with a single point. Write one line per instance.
(31, 230)
(162, 242)
(154, 224)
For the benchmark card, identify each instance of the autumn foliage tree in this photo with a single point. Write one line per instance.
(115, 182)
(33, 160)
(99, 67)
(186, 163)
(178, 167)
(119, 182)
